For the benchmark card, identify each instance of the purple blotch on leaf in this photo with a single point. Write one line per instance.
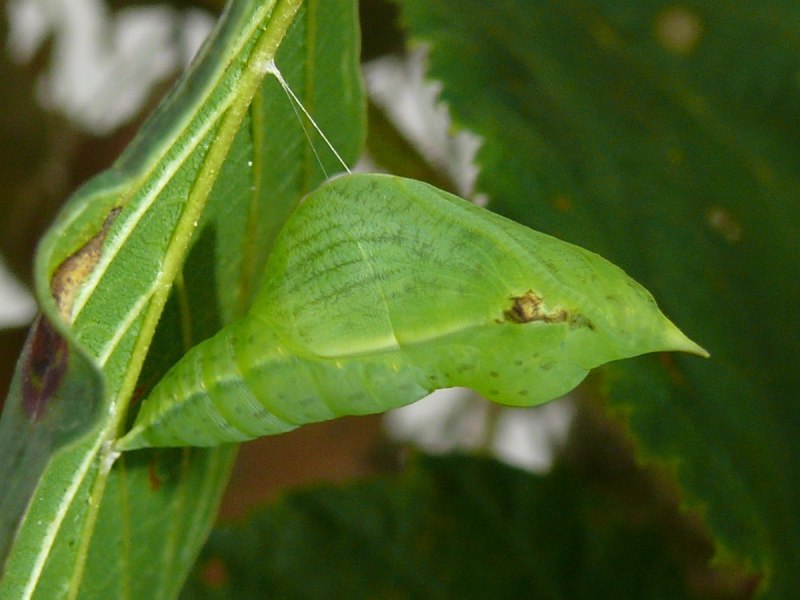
(43, 368)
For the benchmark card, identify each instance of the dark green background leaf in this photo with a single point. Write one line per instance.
(663, 136)
(454, 527)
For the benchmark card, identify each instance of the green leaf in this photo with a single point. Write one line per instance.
(381, 290)
(662, 135)
(206, 174)
(453, 527)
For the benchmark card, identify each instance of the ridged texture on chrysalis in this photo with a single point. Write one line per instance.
(380, 290)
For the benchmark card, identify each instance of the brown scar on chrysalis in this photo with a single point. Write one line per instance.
(528, 307)
(73, 272)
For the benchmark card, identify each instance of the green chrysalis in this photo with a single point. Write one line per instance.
(380, 290)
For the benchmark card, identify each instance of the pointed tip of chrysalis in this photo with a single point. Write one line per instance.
(676, 341)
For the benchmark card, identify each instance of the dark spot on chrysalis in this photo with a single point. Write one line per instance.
(530, 307)
(494, 374)
(581, 321)
(43, 368)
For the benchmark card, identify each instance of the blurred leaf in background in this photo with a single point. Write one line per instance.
(662, 137)
(453, 527)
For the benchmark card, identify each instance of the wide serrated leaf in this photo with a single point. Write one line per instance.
(661, 136)
(456, 527)
(82, 516)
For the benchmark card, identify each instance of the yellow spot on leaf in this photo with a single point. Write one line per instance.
(563, 204)
(678, 30)
(675, 156)
(721, 221)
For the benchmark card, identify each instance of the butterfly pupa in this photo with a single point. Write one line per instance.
(380, 290)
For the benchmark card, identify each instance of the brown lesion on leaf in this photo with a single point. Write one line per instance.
(529, 307)
(152, 474)
(43, 367)
(73, 272)
(46, 358)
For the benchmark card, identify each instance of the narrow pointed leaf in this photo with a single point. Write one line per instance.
(89, 531)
